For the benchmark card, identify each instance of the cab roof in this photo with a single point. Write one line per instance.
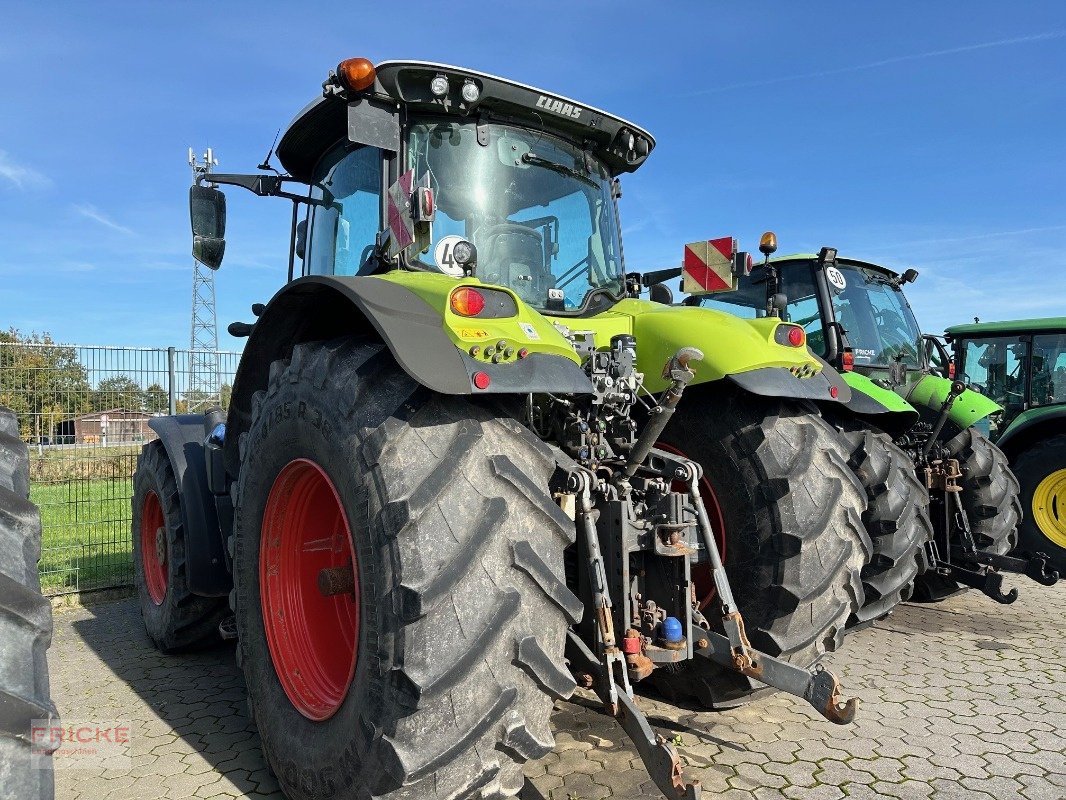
(1017, 326)
(324, 121)
(854, 262)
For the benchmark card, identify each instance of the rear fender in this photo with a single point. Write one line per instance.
(206, 566)
(882, 407)
(1030, 427)
(407, 312)
(745, 352)
(931, 390)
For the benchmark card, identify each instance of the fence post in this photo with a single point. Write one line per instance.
(172, 380)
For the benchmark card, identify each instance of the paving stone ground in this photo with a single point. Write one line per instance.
(963, 699)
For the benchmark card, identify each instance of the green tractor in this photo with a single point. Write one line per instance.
(1021, 366)
(438, 500)
(857, 319)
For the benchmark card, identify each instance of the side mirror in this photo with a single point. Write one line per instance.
(207, 213)
(660, 293)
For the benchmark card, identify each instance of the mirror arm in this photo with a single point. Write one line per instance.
(262, 185)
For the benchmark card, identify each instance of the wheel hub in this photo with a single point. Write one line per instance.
(153, 546)
(309, 588)
(1049, 507)
(161, 544)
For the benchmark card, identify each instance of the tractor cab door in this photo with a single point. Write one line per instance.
(344, 213)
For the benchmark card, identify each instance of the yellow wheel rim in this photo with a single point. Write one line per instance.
(1049, 507)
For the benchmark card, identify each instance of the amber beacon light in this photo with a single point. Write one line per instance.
(356, 73)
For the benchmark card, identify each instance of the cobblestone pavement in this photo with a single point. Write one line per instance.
(964, 699)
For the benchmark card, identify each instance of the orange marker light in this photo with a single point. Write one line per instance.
(467, 302)
(356, 74)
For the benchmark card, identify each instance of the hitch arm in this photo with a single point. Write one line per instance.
(1035, 566)
(659, 756)
(819, 687)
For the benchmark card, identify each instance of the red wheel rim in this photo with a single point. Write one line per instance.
(701, 573)
(154, 550)
(312, 632)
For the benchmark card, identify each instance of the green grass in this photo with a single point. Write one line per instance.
(86, 533)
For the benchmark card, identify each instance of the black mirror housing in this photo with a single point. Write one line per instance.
(208, 250)
(207, 212)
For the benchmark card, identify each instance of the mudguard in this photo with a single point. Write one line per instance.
(407, 311)
(1031, 426)
(931, 391)
(205, 563)
(881, 406)
(744, 351)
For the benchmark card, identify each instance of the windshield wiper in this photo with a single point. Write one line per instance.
(562, 169)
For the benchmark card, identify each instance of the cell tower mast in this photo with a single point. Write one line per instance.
(204, 386)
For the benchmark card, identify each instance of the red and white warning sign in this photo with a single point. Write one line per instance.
(708, 266)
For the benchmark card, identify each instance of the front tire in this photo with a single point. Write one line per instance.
(794, 540)
(457, 584)
(1041, 473)
(174, 618)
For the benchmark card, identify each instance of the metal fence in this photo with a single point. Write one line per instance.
(84, 413)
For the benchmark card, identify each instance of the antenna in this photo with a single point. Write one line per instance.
(270, 153)
(204, 388)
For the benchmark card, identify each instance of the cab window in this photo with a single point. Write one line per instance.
(1049, 369)
(345, 212)
(996, 367)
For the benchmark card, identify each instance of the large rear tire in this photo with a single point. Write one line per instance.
(795, 542)
(1041, 473)
(896, 518)
(174, 618)
(442, 653)
(991, 499)
(25, 627)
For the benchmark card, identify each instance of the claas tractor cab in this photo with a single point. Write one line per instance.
(1021, 366)
(454, 478)
(857, 318)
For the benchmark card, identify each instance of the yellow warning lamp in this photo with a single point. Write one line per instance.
(356, 74)
(768, 243)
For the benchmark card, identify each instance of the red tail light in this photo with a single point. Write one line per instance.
(796, 336)
(951, 370)
(847, 361)
(467, 302)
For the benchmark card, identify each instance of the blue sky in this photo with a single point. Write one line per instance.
(914, 134)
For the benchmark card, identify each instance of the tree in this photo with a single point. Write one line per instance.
(118, 391)
(156, 400)
(41, 381)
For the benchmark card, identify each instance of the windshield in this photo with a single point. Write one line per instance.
(539, 211)
(876, 316)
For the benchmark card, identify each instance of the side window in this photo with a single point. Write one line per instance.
(1049, 369)
(347, 215)
(996, 368)
(802, 308)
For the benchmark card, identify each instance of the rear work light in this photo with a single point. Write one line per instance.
(467, 302)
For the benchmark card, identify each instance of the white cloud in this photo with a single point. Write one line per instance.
(93, 213)
(21, 176)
